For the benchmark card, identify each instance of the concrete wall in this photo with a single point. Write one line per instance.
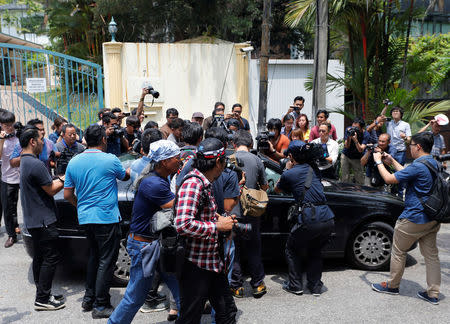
(286, 81)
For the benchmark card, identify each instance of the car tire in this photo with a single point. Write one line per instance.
(121, 274)
(369, 247)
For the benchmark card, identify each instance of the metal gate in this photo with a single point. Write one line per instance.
(36, 83)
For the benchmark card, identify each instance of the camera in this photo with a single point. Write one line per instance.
(310, 153)
(371, 146)
(152, 91)
(387, 102)
(443, 157)
(351, 131)
(240, 229)
(118, 131)
(296, 109)
(262, 140)
(63, 160)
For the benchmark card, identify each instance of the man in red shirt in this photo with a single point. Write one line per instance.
(203, 276)
(322, 117)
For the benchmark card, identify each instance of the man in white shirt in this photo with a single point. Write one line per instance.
(400, 132)
(331, 147)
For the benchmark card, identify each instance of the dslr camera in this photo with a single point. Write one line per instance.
(262, 140)
(117, 132)
(152, 91)
(370, 147)
(352, 131)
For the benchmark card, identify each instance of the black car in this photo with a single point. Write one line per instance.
(363, 234)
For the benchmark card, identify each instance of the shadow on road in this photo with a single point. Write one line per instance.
(14, 317)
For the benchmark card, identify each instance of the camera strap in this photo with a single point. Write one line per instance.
(301, 205)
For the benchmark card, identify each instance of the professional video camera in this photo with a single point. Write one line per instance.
(262, 140)
(311, 153)
(152, 91)
(219, 121)
(62, 161)
(235, 165)
(351, 131)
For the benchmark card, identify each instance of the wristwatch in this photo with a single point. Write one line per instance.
(378, 162)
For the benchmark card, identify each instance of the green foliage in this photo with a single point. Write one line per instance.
(429, 61)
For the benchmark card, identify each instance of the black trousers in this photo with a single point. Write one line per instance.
(104, 242)
(45, 258)
(311, 238)
(251, 246)
(9, 196)
(198, 285)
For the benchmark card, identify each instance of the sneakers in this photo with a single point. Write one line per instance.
(316, 290)
(51, 305)
(238, 292)
(153, 307)
(384, 288)
(87, 306)
(102, 312)
(424, 295)
(259, 291)
(289, 289)
(156, 297)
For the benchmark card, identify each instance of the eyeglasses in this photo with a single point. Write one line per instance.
(412, 144)
(322, 131)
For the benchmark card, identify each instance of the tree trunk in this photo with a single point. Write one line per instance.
(405, 55)
(263, 65)
(366, 69)
(320, 57)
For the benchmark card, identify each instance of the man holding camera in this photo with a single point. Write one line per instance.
(92, 174)
(132, 132)
(203, 276)
(331, 151)
(438, 139)
(313, 220)
(294, 110)
(356, 139)
(68, 147)
(116, 142)
(278, 142)
(255, 178)
(373, 177)
(413, 224)
(218, 112)
(236, 112)
(39, 215)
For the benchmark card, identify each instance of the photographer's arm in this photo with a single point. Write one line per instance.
(388, 177)
(359, 147)
(347, 142)
(2, 142)
(69, 195)
(15, 163)
(140, 107)
(229, 203)
(424, 128)
(365, 158)
(55, 187)
(124, 144)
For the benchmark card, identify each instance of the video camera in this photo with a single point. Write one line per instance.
(262, 140)
(62, 161)
(117, 132)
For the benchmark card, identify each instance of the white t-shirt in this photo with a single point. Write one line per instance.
(9, 174)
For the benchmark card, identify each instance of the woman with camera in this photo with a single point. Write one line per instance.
(312, 219)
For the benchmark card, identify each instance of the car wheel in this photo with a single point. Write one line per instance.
(121, 274)
(370, 246)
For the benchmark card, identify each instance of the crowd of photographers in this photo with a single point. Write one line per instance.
(201, 175)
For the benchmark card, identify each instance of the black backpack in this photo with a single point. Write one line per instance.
(437, 206)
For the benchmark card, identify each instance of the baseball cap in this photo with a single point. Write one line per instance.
(197, 115)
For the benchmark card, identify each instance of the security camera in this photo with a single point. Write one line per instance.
(247, 49)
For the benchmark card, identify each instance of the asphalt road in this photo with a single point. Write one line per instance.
(348, 297)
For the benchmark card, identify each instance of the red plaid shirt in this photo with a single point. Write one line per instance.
(202, 237)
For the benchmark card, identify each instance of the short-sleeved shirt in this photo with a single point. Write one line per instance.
(315, 133)
(113, 146)
(153, 192)
(439, 145)
(371, 166)
(246, 124)
(224, 187)
(137, 166)
(39, 208)
(93, 174)
(293, 181)
(53, 137)
(394, 130)
(9, 174)
(48, 147)
(352, 152)
(255, 173)
(418, 179)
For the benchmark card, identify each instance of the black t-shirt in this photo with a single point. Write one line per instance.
(39, 208)
(131, 137)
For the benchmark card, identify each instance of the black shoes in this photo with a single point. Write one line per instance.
(289, 289)
(87, 306)
(51, 305)
(10, 242)
(102, 312)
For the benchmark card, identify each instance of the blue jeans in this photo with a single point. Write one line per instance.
(139, 286)
(229, 255)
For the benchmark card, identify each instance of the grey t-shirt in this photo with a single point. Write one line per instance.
(75, 148)
(255, 174)
(39, 209)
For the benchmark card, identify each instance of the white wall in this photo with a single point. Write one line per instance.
(286, 81)
(189, 77)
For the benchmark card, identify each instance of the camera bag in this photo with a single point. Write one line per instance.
(437, 205)
(253, 201)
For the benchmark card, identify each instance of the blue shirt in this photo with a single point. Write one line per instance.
(225, 186)
(137, 166)
(93, 174)
(53, 137)
(113, 146)
(153, 192)
(418, 179)
(439, 145)
(48, 147)
(352, 152)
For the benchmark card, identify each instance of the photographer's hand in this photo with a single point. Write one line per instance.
(225, 224)
(377, 157)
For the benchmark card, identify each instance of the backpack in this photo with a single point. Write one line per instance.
(437, 206)
(253, 201)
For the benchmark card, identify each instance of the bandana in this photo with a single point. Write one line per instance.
(163, 150)
(211, 154)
